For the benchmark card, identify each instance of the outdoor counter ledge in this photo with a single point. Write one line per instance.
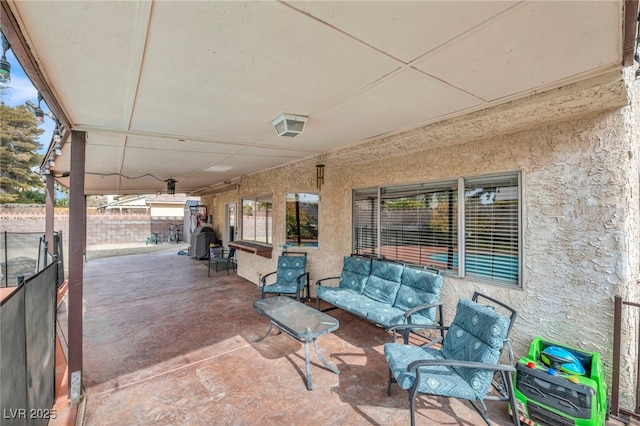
(249, 247)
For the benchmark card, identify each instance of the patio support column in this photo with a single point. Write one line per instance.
(49, 212)
(77, 225)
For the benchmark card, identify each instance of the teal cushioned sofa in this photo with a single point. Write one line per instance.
(384, 292)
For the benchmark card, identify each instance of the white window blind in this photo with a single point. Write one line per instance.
(365, 221)
(418, 224)
(492, 223)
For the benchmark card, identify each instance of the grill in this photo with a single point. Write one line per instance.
(545, 417)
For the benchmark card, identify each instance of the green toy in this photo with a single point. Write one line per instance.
(558, 385)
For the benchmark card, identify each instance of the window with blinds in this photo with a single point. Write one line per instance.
(365, 221)
(492, 227)
(419, 224)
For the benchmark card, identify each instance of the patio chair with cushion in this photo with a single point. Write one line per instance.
(219, 259)
(291, 277)
(468, 363)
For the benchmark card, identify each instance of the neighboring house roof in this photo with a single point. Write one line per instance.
(147, 201)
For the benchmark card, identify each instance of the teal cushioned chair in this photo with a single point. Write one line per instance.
(291, 277)
(468, 363)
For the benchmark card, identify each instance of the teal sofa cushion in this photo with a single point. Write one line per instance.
(355, 272)
(419, 287)
(384, 282)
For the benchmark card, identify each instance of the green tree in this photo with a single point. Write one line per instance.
(30, 197)
(308, 228)
(19, 146)
(62, 197)
(403, 204)
(62, 202)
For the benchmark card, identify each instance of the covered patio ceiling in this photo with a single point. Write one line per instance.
(188, 90)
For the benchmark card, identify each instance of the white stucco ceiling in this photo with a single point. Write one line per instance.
(187, 90)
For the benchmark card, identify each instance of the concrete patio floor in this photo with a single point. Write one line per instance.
(165, 344)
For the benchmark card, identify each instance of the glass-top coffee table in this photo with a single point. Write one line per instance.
(299, 321)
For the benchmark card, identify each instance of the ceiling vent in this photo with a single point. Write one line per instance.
(289, 125)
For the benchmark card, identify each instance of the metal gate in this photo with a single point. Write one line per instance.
(621, 308)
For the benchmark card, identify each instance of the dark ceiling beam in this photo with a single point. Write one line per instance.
(22, 52)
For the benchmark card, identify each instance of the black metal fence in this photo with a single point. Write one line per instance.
(58, 256)
(24, 254)
(27, 350)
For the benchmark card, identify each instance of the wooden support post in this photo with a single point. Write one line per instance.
(77, 234)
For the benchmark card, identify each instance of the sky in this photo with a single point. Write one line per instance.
(20, 90)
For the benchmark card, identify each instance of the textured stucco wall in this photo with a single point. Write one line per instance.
(579, 164)
(631, 290)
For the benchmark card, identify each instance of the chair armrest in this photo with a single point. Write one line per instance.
(319, 282)
(299, 281)
(439, 317)
(458, 363)
(418, 308)
(404, 329)
(264, 278)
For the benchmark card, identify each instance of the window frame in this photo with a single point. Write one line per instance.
(374, 234)
(504, 263)
(499, 258)
(267, 200)
(313, 243)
